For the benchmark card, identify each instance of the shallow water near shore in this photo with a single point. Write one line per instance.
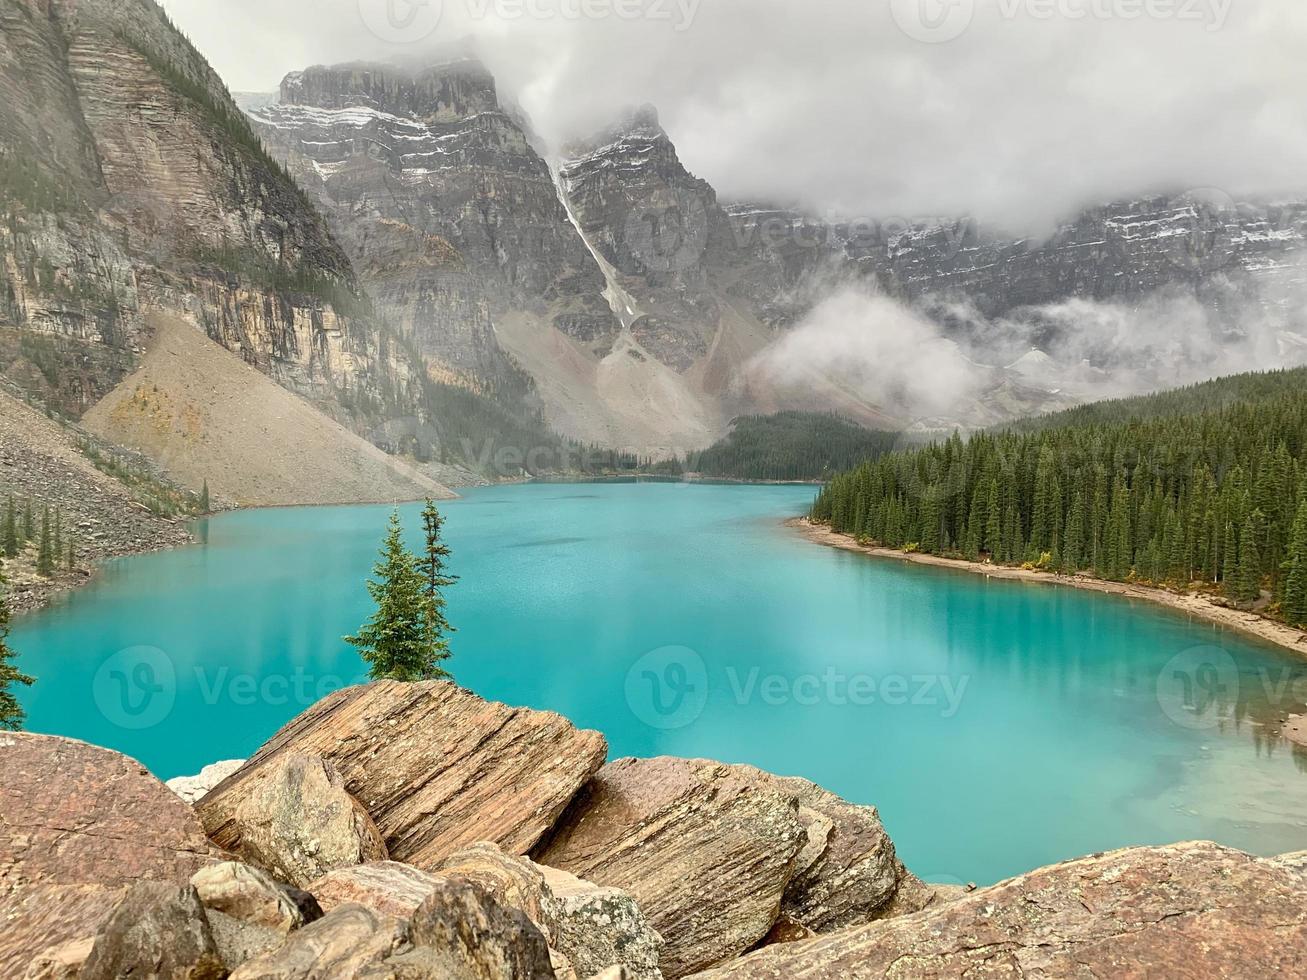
(998, 726)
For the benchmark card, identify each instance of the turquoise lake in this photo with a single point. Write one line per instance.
(998, 726)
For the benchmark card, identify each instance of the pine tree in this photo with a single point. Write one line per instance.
(29, 522)
(9, 530)
(1250, 560)
(72, 554)
(994, 521)
(1295, 589)
(1045, 530)
(204, 498)
(399, 642)
(57, 535)
(1166, 487)
(976, 521)
(1073, 553)
(45, 555)
(433, 565)
(11, 712)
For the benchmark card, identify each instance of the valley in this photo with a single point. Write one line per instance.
(482, 492)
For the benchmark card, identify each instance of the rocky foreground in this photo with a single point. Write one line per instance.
(409, 831)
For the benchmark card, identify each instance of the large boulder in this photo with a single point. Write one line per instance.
(344, 943)
(600, 928)
(1191, 910)
(848, 872)
(298, 822)
(459, 932)
(385, 887)
(436, 767)
(588, 927)
(513, 882)
(75, 813)
(245, 893)
(160, 931)
(248, 912)
(461, 929)
(78, 826)
(1295, 862)
(706, 850)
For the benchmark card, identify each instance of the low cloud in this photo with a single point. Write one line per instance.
(943, 363)
(883, 352)
(1029, 112)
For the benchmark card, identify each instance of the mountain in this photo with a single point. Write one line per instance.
(133, 182)
(618, 297)
(1124, 250)
(699, 291)
(619, 301)
(136, 193)
(446, 210)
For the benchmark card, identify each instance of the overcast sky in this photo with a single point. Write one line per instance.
(1017, 111)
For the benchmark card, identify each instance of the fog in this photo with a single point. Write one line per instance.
(862, 107)
(1016, 112)
(906, 361)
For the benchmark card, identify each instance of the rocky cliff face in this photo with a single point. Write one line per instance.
(131, 182)
(684, 263)
(699, 289)
(1123, 250)
(624, 301)
(449, 214)
(630, 304)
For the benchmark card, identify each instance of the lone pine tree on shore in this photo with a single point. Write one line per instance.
(433, 563)
(400, 642)
(12, 715)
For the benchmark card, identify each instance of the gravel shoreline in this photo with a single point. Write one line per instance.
(1247, 623)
